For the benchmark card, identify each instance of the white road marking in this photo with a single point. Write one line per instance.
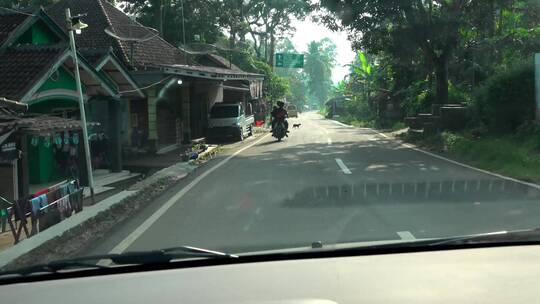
(342, 166)
(406, 235)
(258, 211)
(329, 141)
(135, 234)
(409, 146)
(341, 124)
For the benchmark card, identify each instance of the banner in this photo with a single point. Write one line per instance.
(8, 146)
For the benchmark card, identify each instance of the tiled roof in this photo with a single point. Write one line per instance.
(223, 62)
(101, 15)
(8, 23)
(22, 66)
(94, 55)
(93, 36)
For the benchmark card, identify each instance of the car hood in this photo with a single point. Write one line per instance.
(486, 275)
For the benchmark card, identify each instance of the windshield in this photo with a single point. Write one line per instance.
(408, 121)
(224, 112)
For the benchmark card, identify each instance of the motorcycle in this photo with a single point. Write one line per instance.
(279, 130)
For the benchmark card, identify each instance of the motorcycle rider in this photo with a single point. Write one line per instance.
(278, 114)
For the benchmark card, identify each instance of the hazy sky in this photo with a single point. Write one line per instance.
(307, 31)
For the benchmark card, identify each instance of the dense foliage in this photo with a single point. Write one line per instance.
(507, 99)
(439, 52)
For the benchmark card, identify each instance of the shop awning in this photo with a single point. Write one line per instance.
(209, 72)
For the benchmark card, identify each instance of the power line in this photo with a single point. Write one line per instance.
(148, 86)
(16, 11)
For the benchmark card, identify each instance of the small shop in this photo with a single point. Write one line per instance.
(38, 149)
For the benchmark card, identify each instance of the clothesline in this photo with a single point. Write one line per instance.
(56, 201)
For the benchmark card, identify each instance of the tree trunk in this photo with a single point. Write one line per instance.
(272, 50)
(441, 76)
(232, 37)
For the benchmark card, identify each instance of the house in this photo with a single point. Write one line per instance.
(179, 88)
(19, 130)
(37, 69)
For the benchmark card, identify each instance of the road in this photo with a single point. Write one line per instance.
(327, 182)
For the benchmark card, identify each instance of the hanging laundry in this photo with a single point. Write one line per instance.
(71, 187)
(64, 207)
(43, 202)
(36, 205)
(52, 196)
(76, 201)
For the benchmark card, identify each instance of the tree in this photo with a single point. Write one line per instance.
(200, 19)
(431, 26)
(270, 20)
(319, 61)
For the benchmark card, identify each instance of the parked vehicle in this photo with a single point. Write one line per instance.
(292, 110)
(230, 120)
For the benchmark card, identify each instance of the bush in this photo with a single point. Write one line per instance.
(507, 99)
(456, 95)
(418, 98)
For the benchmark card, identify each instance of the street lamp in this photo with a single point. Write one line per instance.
(75, 24)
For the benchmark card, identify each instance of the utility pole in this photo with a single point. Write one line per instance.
(161, 18)
(86, 143)
(184, 33)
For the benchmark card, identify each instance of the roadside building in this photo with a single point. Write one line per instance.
(21, 132)
(178, 88)
(37, 70)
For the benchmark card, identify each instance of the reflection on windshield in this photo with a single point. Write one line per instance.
(396, 120)
(224, 112)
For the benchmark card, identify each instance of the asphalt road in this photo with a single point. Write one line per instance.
(327, 182)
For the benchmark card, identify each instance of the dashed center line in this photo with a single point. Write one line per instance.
(342, 166)
(406, 235)
(329, 141)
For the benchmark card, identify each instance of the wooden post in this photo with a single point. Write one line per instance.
(23, 174)
(115, 144)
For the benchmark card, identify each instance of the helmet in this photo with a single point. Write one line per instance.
(280, 103)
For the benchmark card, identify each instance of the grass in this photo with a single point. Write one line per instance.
(347, 119)
(398, 126)
(510, 155)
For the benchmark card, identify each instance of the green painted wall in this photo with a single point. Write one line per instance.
(40, 163)
(47, 105)
(38, 34)
(60, 80)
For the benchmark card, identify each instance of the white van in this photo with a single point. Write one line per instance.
(292, 111)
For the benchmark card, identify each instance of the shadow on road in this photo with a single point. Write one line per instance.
(456, 191)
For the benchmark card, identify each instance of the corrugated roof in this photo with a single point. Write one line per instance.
(209, 72)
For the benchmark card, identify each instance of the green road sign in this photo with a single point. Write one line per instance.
(291, 61)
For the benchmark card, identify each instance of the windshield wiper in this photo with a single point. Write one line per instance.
(165, 255)
(497, 237)
(129, 258)
(522, 235)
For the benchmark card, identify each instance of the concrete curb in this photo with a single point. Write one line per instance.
(175, 173)
(25, 246)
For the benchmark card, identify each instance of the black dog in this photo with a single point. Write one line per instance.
(296, 126)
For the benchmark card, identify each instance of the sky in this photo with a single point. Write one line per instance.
(304, 34)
